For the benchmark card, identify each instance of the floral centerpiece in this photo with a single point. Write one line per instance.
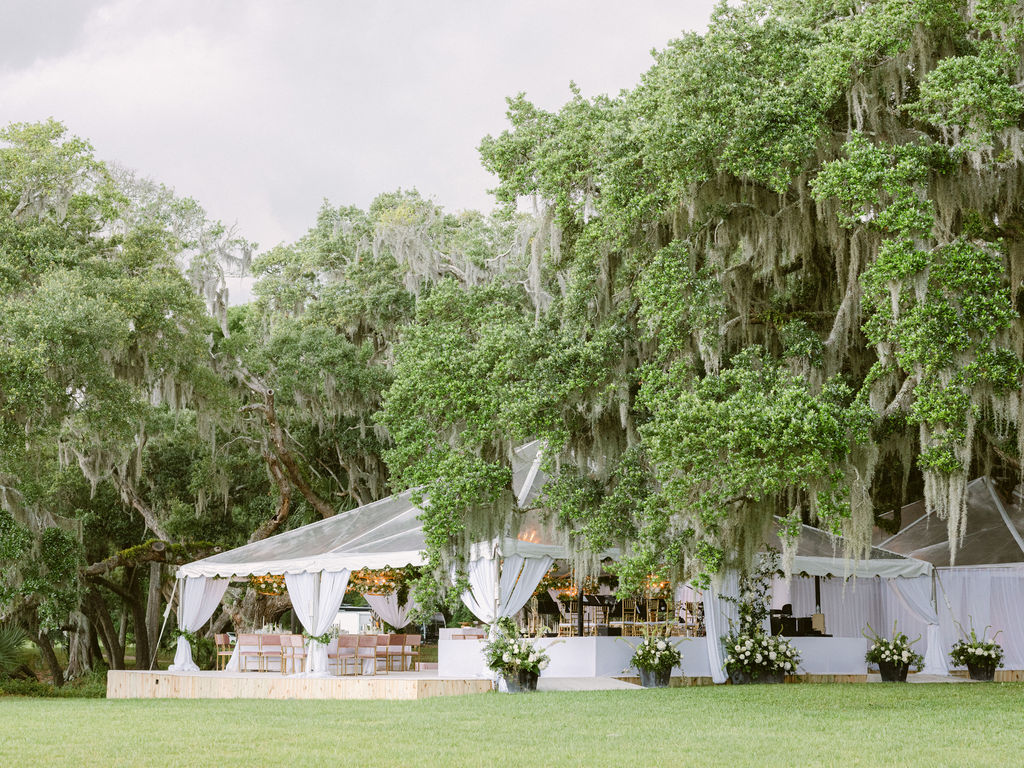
(654, 657)
(980, 656)
(756, 656)
(894, 657)
(514, 657)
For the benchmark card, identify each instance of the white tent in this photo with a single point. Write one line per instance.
(853, 593)
(985, 587)
(316, 561)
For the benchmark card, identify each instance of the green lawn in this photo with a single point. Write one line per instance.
(792, 725)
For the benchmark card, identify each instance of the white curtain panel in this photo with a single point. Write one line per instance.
(983, 596)
(387, 607)
(199, 598)
(849, 605)
(518, 579)
(915, 605)
(315, 598)
(718, 614)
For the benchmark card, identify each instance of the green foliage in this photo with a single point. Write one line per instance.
(12, 649)
(749, 436)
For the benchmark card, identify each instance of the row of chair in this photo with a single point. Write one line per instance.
(289, 652)
(358, 650)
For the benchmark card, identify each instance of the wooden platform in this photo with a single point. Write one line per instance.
(132, 684)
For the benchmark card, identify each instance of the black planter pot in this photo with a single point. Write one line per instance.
(977, 672)
(893, 673)
(739, 677)
(655, 678)
(521, 681)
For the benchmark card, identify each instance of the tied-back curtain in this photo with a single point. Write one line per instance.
(387, 607)
(915, 599)
(199, 598)
(315, 598)
(718, 613)
(518, 579)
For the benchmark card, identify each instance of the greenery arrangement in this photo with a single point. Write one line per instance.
(269, 584)
(754, 655)
(981, 657)
(508, 653)
(655, 653)
(383, 581)
(894, 656)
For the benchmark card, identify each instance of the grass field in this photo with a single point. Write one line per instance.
(792, 725)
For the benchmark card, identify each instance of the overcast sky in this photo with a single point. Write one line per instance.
(260, 109)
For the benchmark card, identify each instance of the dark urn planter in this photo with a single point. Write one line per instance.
(739, 677)
(979, 672)
(521, 681)
(655, 678)
(893, 673)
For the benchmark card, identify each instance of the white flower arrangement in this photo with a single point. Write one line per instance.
(758, 653)
(896, 652)
(507, 652)
(977, 652)
(656, 654)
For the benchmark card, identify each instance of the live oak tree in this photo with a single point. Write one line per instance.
(779, 278)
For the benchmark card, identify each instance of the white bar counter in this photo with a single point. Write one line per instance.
(609, 656)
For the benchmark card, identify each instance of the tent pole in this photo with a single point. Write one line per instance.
(167, 612)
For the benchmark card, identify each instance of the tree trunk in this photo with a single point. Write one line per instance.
(42, 640)
(153, 612)
(79, 656)
(101, 615)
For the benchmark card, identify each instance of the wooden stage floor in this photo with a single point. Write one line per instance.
(162, 684)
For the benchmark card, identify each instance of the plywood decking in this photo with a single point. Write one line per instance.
(132, 684)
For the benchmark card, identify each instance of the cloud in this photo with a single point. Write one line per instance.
(260, 110)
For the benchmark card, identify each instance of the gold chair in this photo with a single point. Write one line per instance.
(395, 650)
(345, 652)
(224, 651)
(366, 651)
(411, 650)
(248, 647)
(270, 649)
(293, 649)
(630, 626)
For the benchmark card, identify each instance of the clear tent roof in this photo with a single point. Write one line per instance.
(389, 533)
(995, 530)
(384, 533)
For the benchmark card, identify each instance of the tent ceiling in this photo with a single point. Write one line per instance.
(989, 538)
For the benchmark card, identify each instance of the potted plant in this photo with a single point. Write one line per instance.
(751, 654)
(515, 658)
(654, 657)
(754, 656)
(894, 657)
(980, 656)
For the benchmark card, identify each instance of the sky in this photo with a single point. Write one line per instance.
(262, 109)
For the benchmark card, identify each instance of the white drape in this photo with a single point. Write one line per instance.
(915, 599)
(849, 606)
(717, 615)
(983, 596)
(387, 607)
(519, 578)
(315, 598)
(200, 597)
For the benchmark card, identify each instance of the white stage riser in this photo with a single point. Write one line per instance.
(609, 656)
